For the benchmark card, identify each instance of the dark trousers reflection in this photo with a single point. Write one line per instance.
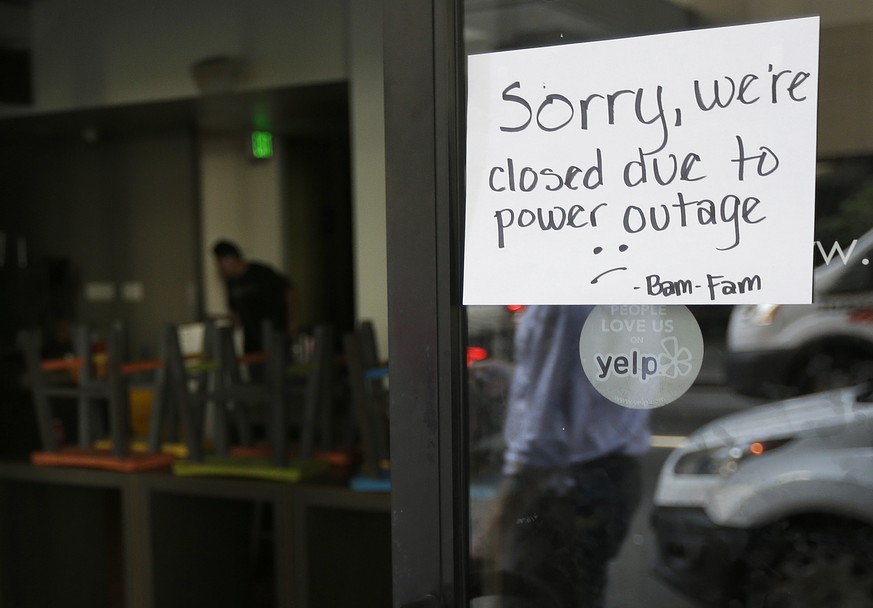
(554, 533)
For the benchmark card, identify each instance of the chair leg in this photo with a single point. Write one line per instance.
(160, 403)
(352, 345)
(118, 403)
(276, 380)
(29, 343)
(178, 381)
(316, 393)
(85, 405)
(222, 441)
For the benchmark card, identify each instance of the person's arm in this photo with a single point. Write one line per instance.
(232, 314)
(514, 498)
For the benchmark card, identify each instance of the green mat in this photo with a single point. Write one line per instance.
(253, 468)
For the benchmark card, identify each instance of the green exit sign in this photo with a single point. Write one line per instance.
(262, 144)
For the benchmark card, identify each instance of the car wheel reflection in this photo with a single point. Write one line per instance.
(819, 566)
(827, 369)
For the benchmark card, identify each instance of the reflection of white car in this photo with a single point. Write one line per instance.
(773, 506)
(776, 351)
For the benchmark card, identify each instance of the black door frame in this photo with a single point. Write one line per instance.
(423, 56)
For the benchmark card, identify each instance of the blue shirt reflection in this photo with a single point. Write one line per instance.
(556, 418)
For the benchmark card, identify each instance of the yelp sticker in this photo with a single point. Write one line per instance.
(643, 356)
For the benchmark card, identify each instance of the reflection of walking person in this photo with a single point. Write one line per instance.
(255, 293)
(572, 481)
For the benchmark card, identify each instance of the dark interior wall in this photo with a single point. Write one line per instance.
(116, 210)
(319, 224)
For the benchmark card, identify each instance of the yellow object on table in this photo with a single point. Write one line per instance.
(140, 400)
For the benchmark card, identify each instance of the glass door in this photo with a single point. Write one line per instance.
(735, 477)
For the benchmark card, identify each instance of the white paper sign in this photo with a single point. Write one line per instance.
(675, 168)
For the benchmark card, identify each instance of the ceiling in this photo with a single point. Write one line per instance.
(314, 110)
(504, 24)
(489, 25)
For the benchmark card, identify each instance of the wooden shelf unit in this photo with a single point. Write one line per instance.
(143, 540)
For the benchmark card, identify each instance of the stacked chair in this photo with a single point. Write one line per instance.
(92, 391)
(291, 403)
(178, 408)
(278, 398)
(368, 378)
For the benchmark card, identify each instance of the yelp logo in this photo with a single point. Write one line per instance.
(641, 357)
(673, 361)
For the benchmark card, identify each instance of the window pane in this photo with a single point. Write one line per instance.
(753, 487)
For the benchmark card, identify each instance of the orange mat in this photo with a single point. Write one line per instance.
(98, 459)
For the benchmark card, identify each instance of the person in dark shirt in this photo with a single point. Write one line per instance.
(255, 293)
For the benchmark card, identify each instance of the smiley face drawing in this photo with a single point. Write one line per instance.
(597, 250)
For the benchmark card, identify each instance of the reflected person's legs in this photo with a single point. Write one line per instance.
(561, 531)
(537, 565)
(606, 494)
